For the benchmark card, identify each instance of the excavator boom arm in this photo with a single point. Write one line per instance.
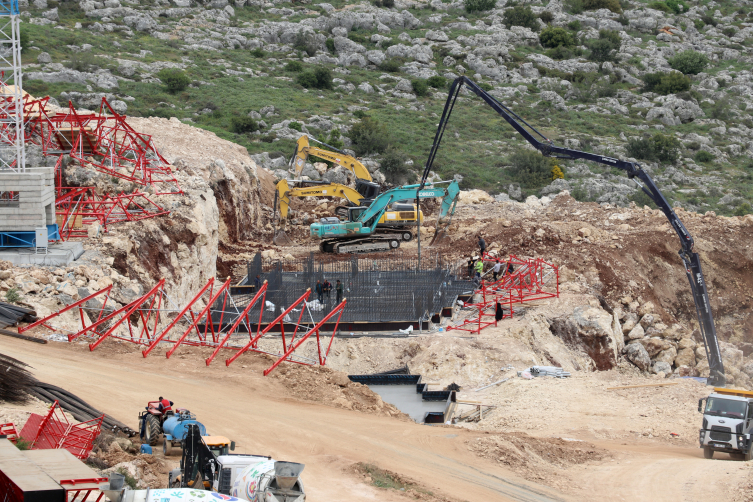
(284, 192)
(380, 204)
(690, 258)
(304, 149)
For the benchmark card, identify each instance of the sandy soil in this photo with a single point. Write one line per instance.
(263, 416)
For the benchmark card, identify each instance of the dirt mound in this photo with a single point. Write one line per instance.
(394, 482)
(533, 457)
(334, 388)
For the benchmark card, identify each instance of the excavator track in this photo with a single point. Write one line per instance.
(372, 244)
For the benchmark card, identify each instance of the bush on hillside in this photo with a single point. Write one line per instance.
(174, 79)
(420, 87)
(521, 15)
(546, 17)
(613, 5)
(437, 82)
(659, 147)
(330, 44)
(479, 5)
(665, 83)
(703, 156)
(390, 65)
(320, 78)
(243, 125)
(689, 62)
(603, 48)
(530, 169)
(294, 66)
(369, 136)
(552, 37)
(393, 165)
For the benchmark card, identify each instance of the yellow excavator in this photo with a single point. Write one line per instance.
(397, 220)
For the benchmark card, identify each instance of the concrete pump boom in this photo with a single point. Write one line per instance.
(690, 258)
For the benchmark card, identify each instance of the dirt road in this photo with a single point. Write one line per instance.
(260, 416)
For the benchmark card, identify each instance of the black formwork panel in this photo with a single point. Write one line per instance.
(377, 290)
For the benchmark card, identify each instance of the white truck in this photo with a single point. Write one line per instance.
(727, 423)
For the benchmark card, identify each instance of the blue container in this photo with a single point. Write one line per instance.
(145, 448)
(176, 426)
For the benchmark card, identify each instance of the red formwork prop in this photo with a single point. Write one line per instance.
(243, 317)
(53, 431)
(315, 330)
(73, 492)
(252, 345)
(78, 304)
(531, 280)
(9, 431)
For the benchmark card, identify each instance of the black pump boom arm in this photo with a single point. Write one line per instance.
(547, 148)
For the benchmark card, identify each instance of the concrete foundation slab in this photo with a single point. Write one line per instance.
(406, 399)
(59, 254)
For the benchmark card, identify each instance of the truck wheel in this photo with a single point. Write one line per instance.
(708, 452)
(152, 430)
(167, 447)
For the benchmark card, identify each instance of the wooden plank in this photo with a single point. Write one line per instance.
(664, 384)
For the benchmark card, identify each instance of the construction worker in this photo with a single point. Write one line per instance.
(471, 261)
(319, 291)
(339, 291)
(327, 286)
(479, 267)
(165, 405)
(496, 269)
(481, 245)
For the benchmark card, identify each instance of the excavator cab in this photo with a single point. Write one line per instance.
(368, 189)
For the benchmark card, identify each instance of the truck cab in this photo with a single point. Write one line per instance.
(727, 423)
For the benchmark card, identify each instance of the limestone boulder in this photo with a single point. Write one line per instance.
(636, 354)
(589, 329)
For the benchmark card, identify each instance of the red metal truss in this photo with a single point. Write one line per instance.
(53, 431)
(253, 344)
(141, 322)
(78, 206)
(243, 317)
(531, 280)
(315, 330)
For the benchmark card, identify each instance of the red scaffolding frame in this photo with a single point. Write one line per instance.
(55, 431)
(530, 281)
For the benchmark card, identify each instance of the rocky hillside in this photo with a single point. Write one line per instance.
(663, 82)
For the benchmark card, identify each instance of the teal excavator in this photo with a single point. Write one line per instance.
(358, 233)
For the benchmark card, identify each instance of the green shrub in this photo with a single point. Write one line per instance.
(613, 5)
(530, 169)
(574, 6)
(294, 66)
(359, 114)
(387, 4)
(305, 42)
(369, 136)
(330, 43)
(729, 31)
(85, 62)
(12, 296)
(677, 6)
(660, 147)
(479, 5)
(743, 209)
(721, 110)
(665, 83)
(320, 78)
(23, 444)
(420, 87)
(708, 19)
(390, 65)
(623, 20)
(296, 125)
(661, 6)
(689, 62)
(521, 15)
(258, 52)
(699, 24)
(563, 52)
(603, 47)
(574, 25)
(546, 17)
(552, 37)
(703, 156)
(174, 79)
(393, 165)
(437, 82)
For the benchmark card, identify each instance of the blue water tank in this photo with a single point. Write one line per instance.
(176, 426)
(145, 448)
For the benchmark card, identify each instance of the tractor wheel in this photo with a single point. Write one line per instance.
(153, 430)
(708, 452)
(167, 447)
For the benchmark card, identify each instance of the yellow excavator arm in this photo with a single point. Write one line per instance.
(304, 149)
(284, 192)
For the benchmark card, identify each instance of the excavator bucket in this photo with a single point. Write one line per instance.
(439, 237)
(282, 239)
